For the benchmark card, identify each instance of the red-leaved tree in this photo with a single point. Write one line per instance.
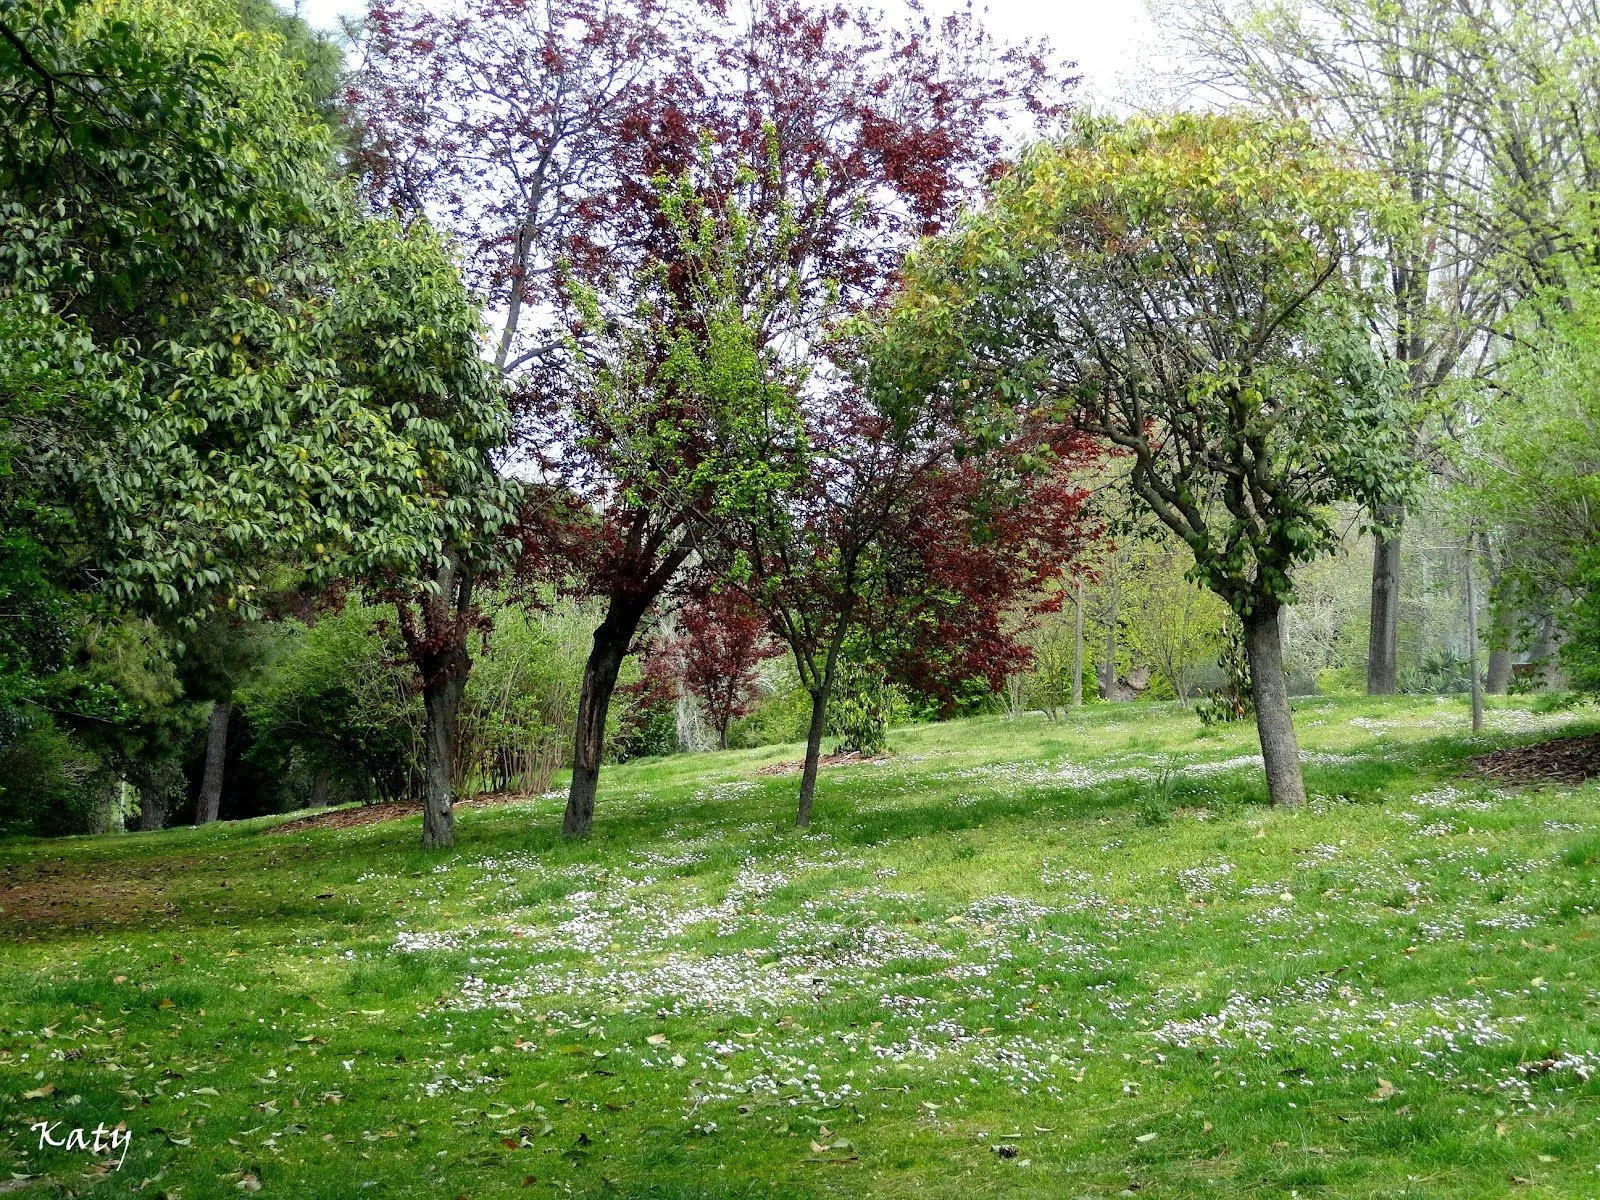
(723, 643)
(541, 134)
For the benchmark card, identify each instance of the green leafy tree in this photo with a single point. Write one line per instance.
(226, 364)
(1191, 290)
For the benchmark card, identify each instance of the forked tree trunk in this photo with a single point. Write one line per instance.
(1280, 750)
(210, 805)
(1383, 634)
(611, 642)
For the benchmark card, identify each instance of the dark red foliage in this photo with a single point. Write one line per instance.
(975, 562)
(723, 644)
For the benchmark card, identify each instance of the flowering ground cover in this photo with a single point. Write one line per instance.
(1016, 958)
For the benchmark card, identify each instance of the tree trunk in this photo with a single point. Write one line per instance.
(1280, 751)
(611, 641)
(1383, 634)
(1472, 647)
(1077, 648)
(1498, 682)
(320, 785)
(210, 804)
(441, 702)
(722, 738)
(819, 720)
(440, 654)
(808, 776)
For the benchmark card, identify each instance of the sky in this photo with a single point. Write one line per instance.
(1109, 39)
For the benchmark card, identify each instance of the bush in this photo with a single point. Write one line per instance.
(1233, 700)
(49, 785)
(863, 705)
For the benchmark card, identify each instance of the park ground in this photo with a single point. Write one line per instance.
(1015, 958)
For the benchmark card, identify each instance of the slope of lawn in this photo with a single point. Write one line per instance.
(1018, 958)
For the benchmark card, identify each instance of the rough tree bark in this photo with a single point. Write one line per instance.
(1383, 635)
(611, 642)
(320, 787)
(439, 651)
(1280, 749)
(210, 804)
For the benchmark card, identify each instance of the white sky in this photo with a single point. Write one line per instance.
(1109, 39)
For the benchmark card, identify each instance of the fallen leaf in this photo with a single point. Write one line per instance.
(657, 1039)
(1385, 1090)
(1146, 1137)
(39, 1093)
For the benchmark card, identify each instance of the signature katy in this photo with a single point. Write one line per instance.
(98, 1140)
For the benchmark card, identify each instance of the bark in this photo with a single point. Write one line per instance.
(1472, 647)
(320, 786)
(441, 702)
(1077, 649)
(819, 720)
(152, 812)
(1383, 635)
(808, 776)
(1498, 682)
(210, 805)
(439, 651)
(1280, 750)
(611, 642)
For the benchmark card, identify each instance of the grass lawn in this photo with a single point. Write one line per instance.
(1018, 959)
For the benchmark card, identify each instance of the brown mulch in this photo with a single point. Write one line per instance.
(1563, 760)
(371, 814)
(827, 760)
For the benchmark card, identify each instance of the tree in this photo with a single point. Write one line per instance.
(873, 132)
(722, 647)
(1188, 289)
(1532, 470)
(1483, 115)
(835, 506)
(243, 369)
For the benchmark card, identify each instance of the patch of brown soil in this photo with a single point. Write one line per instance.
(1563, 760)
(827, 760)
(371, 814)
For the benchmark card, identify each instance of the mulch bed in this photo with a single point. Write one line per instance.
(1563, 760)
(371, 814)
(827, 760)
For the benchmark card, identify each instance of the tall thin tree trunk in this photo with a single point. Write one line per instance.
(611, 641)
(1472, 646)
(1280, 750)
(819, 720)
(1383, 635)
(210, 804)
(808, 775)
(1497, 679)
(1077, 647)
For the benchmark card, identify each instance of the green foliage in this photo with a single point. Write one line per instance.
(1533, 476)
(863, 704)
(1233, 701)
(1190, 289)
(236, 365)
(334, 699)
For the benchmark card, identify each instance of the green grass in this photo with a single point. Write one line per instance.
(1020, 959)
